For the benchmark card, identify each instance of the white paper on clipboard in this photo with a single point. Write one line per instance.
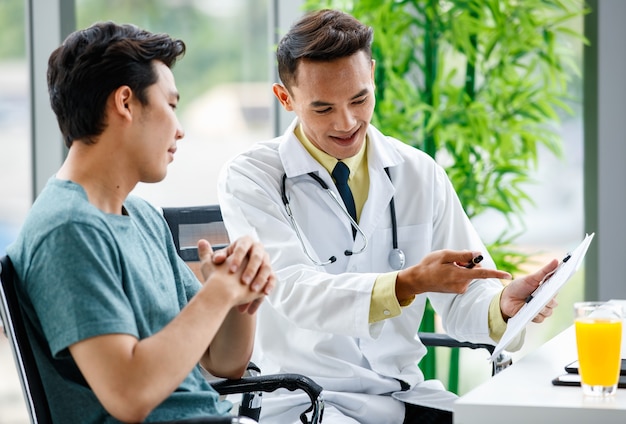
(540, 297)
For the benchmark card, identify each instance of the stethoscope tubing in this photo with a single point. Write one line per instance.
(396, 256)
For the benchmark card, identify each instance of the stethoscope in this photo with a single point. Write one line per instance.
(396, 257)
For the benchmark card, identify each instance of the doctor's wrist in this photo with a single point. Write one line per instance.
(405, 292)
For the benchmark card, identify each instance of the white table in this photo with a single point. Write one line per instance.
(523, 393)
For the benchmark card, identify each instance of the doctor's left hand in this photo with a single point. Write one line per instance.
(515, 293)
(258, 273)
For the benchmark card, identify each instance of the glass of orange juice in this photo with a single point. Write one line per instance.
(598, 340)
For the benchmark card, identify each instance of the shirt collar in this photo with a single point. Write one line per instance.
(326, 160)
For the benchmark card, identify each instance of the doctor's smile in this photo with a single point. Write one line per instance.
(353, 137)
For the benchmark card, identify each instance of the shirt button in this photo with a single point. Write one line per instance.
(386, 312)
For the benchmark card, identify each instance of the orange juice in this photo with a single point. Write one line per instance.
(598, 342)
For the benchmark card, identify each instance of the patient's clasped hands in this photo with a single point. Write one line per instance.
(242, 270)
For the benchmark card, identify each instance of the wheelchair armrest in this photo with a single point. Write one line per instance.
(443, 340)
(502, 361)
(269, 383)
(213, 420)
(273, 382)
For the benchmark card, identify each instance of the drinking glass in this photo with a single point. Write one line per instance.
(598, 340)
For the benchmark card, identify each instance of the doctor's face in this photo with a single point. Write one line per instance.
(334, 101)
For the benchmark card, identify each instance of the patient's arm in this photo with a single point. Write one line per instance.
(131, 377)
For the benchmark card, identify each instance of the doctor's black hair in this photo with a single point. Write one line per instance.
(94, 62)
(323, 35)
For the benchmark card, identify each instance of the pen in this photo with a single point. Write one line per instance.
(474, 262)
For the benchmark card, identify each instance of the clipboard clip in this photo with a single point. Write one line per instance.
(548, 275)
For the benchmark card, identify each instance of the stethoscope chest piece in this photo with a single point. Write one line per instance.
(397, 259)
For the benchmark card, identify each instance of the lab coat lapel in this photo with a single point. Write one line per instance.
(297, 162)
(380, 155)
(295, 158)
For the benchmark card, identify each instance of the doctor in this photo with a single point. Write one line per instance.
(351, 289)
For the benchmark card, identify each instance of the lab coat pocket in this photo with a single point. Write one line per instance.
(413, 240)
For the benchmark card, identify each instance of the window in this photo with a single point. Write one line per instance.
(15, 163)
(224, 81)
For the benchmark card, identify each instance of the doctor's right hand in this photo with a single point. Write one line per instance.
(442, 271)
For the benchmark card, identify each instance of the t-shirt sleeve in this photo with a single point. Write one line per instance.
(78, 294)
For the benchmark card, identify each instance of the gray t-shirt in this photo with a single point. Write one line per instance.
(84, 273)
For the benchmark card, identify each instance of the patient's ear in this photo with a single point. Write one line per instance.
(121, 100)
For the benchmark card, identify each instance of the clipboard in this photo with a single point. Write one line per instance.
(548, 288)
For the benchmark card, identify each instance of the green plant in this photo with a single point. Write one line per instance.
(480, 85)
(476, 84)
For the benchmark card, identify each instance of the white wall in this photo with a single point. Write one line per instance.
(605, 149)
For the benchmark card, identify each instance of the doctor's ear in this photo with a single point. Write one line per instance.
(283, 96)
(373, 71)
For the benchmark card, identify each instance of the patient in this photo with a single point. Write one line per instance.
(119, 324)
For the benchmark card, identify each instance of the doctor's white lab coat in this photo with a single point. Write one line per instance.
(315, 322)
